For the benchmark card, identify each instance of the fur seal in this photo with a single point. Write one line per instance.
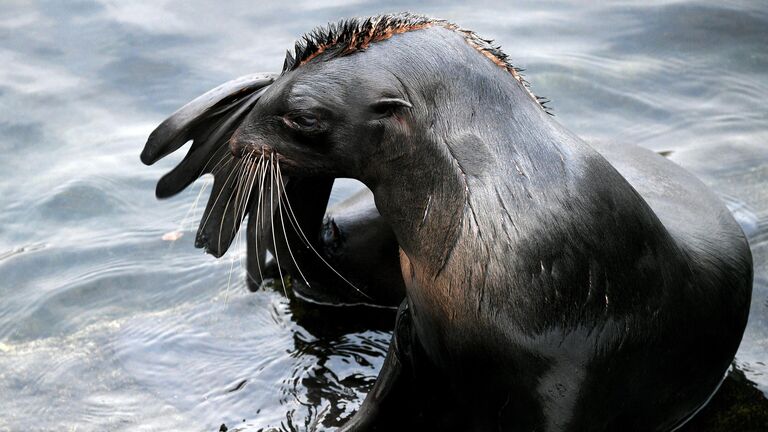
(550, 285)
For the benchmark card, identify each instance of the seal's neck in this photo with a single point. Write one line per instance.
(475, 148)
(478, 158)
(479, 181)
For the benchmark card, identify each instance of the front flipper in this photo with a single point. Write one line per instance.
(209, 122)
(410, 393)
(388, 406)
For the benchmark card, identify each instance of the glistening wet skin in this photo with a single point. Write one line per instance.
(104, 325)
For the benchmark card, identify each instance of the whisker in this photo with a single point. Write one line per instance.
(242, 182)
(240, 198)
(216, 165)
(282, 222)
(245, 196)
(246, 206)
(238, 169)
(238, 211)
(250, 175)
(226, 157)
(308, 243)
(272, 221)
(259, 216)
(224, 160)
(193, 208)
(223, 187)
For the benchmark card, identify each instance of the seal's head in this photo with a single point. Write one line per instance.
(380, 89)
(352, 86)
(320, 118)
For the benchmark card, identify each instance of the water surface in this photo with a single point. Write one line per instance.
(105, 326)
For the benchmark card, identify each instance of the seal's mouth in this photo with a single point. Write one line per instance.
(243, 146)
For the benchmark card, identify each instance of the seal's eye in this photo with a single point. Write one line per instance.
(301, 121)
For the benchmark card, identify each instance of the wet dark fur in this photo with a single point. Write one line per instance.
(356, 34)
(547, 289)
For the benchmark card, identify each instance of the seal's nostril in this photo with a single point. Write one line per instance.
(234, 147)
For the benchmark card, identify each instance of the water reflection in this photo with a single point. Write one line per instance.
(105, 326)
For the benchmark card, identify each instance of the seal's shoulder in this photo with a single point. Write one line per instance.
(695, 217)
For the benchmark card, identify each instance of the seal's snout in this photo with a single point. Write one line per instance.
(240, 144)
(235, 145)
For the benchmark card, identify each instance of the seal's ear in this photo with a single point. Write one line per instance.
(387, 105)
(209, 122)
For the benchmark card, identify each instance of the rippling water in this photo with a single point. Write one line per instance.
(105, 326)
